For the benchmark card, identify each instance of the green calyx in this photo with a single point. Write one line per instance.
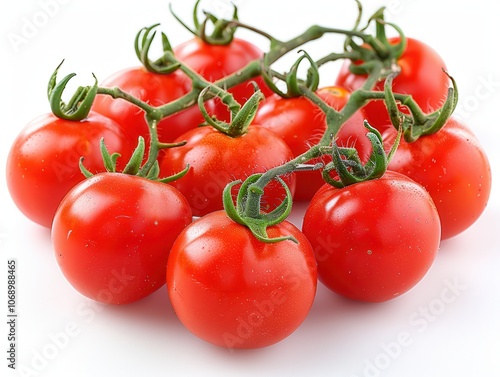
(223, 30)
(348, 166)
(293, 83)
(142, 44)
(376, 49)
(134, 165)
(80, 104)
(259, 223)
(241, 116)
(417, 124)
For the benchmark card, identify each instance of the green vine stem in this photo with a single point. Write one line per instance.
(154, 114)
(253, 69)
(379, 63)
(427, 123)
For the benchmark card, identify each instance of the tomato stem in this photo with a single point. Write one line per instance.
(379, 62)
(116, 92)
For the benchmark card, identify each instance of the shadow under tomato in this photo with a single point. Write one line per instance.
(154, 309)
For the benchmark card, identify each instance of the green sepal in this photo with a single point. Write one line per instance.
(174, 177)
(108, 160)
(80, 104)
(83, 169)
(134, 164)
(142, 44)
(416, 124)
(258, 225)
(171, 145)
(241, 116)
(348, 166)
(223, 30)
(154, 171)
(375, 49)
(293, 83)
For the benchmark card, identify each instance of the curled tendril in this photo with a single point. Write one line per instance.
(348, 166)
(241, 116)
(223, 30)
(257, 224)
(376, 48)
(142, 44)
(133, 166)
(79, 106)
(291, 78)
(415, 124)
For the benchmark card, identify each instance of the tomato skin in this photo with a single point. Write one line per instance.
(421, 76)
(234, 291)
(214, 62)
(302, 124)
(453, 167)
(155, 89)
(374, 240)
(112, 235)
(216, 159)
(42, 165)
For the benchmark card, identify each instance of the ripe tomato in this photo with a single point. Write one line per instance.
(155, 89)
(302, 124)
(214, 62)
(112, 235)
(373, 240)
(216, 159)
(453, 168)
(42, 165)
(421, 76)
(234, 291)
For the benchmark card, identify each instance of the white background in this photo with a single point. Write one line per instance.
(460, 335)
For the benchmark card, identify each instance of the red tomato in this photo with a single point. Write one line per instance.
(112, 235)
(216, 159)
(373, 240)
(155, 89)
(421, 76)
(453, 168)
(234, 291)
(214, 62)
(42, 165)
(302, 124)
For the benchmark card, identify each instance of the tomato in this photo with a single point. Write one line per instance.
(214, 62)
(302, 124)
(373, 240)
(421, 76)
(155, 89)
(453, 168)
(216, 159)
(112, 235)
(235, 291)
(42, 165)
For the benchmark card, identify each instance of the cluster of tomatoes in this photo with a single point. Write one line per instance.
(120, 237)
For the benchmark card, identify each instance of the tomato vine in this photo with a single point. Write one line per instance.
(375, 57)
